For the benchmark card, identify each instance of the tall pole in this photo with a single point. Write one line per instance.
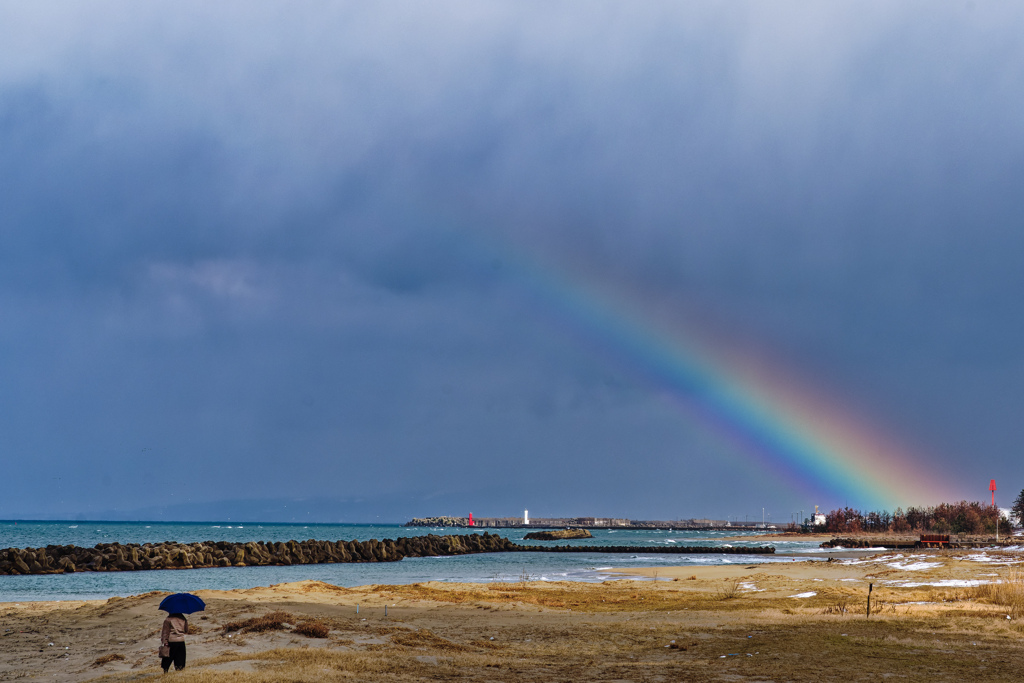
(992, 488)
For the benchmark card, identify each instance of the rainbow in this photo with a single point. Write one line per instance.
(810, 441)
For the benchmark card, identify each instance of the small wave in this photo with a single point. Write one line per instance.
(73, 526)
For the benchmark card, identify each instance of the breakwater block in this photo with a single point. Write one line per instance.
(889, 543)
(557, 535)
(115, 557)
(850, 543)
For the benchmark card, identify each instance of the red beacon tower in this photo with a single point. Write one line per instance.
(992, 488)
(471, 519)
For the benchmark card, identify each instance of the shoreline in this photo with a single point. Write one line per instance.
(622, 573)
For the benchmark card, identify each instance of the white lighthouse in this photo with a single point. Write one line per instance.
(526, 517)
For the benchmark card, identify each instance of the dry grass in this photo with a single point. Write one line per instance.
(425, 639)
(271, 621)
(730, 590)
(628, 631)
(313, 665)
(800, 647)
(879, 608)
(314, 628)
(839, 605)
(1009, 593)
(107, 659)
(610, 596)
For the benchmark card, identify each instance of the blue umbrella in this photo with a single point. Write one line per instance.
(182, 603)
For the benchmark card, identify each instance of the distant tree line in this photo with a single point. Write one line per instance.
(945, 518)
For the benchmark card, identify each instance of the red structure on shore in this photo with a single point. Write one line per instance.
(991, 487)
(470, 519)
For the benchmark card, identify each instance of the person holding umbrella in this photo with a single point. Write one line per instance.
(172, 635)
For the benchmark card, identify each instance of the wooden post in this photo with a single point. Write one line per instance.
(870, 586)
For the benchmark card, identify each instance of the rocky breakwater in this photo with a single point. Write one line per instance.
(439, 521)
(851, 543)
(557, 535)
(114, 557)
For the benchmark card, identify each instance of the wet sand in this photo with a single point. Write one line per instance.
(932, 621)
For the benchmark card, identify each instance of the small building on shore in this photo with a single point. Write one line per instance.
(818, 518)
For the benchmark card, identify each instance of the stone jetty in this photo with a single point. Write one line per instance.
(557, 535)
(439, 521)
(109, 557)
(116, 557)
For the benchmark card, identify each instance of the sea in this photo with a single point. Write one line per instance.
(480, 568)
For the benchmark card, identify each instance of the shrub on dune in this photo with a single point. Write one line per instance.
(314, 628)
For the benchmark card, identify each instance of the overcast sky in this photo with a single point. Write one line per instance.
(273, 260)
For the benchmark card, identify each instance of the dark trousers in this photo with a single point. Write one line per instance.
(177, 656)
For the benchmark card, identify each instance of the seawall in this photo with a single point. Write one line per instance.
(114, 557)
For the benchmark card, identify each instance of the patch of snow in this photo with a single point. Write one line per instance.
(979, 557)
(913, 566)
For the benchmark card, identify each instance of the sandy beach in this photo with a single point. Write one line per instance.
(936, 616)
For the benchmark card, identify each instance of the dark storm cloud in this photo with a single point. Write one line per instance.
(265, 242)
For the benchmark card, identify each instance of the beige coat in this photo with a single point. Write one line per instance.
(174, 630)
